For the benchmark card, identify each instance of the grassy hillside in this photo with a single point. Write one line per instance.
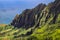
(45, 32)
(39, 24)
(10, 33)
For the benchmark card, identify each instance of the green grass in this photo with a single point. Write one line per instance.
(46, 31)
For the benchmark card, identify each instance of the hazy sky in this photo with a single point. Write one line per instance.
(9, 8)
(22, 4)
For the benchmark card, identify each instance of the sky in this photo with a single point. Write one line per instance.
(9, 8)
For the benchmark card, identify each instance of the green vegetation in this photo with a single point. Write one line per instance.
(45, 32)
(46, 27)
(10, 33)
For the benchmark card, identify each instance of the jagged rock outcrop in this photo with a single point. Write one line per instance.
(27, 18)
(37, 16)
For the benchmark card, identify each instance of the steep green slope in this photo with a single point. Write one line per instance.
(35, 24)
(48, 29)
(45, 32)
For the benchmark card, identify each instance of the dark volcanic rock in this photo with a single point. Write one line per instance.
(30, 17)
(27, 18)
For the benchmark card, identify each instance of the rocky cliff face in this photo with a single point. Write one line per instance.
(27, 18)
(38, 16)
(39, 23)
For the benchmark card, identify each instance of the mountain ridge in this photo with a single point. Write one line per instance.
(31, 14)
(39, 23)
(29, 17)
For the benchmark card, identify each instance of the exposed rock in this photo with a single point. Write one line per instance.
(38, 15)
(27, 18)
